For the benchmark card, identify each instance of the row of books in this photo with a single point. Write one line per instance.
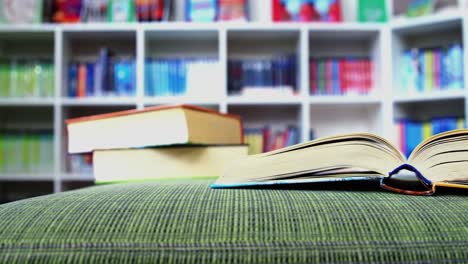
(279, 74)
(410, 133)
(74, 11)
(265, 139)
(191, 77)
(335, 76)
(108, 76)
(26, 152)
(26, 78)
(429, 69)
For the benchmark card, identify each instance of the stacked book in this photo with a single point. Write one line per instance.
(410, 133)
(178, 141)
(108, 76)
(264, 139)
(340, 76)
(432, 69)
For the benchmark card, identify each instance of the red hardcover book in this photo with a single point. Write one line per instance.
(342, 76)
(285, 138)
(313, 77)
(370, 82)
(81, 85)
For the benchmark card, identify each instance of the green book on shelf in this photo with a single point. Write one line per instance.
(2, 154)
(4, 79)
(372, 11)
(121, 11)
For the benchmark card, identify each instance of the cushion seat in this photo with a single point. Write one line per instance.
(189, 222)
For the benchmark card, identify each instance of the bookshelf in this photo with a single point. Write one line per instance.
(326, 115)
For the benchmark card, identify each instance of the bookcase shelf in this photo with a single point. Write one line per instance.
(343, 100)
(99, 101)
(432, 96)
(27, 177)
(325, 115)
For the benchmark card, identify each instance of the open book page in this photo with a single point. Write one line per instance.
(338, 156)
(443, 158)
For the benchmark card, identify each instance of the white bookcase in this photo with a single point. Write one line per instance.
(326, 115)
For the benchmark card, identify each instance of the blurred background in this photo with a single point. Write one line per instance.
(294, 70)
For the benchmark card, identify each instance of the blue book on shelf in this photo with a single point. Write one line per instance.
(293, 136)
(436, 126)
(158, 77)
(454, 66)
(165, 89)
(414, 135)
(201, 10)
(183, 75)
(72, 80)
(89, 79)
(148, 77)
(421, 72)
(132, 69)
(335, 77)
(172, 64)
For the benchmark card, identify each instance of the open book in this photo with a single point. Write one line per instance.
(441, 160)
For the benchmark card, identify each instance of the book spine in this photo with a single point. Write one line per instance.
(72, 80)
(81, 86)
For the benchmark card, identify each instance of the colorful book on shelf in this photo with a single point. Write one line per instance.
(333, 76)
(201, 10)
(108, 76)
(294, 10)
(411, 133)
(188, 161)
(153, 126)
(358, 156)
(26, 151)
(175, 77)
(121, 11)
(372, 11)
(264, 139)
(263, 76)
(432, 69)
(26, 78)
(232, 10)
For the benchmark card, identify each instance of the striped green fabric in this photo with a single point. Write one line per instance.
(164, 222)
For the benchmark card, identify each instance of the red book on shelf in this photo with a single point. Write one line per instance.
(369, 76)
(362, 76)
(313, 77)
(343, 83)
(285, 138)
(436, 64)
(81, 86)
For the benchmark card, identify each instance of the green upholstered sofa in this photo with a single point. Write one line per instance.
(189, 222)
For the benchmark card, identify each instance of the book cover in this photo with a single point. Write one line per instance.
(73, 80)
